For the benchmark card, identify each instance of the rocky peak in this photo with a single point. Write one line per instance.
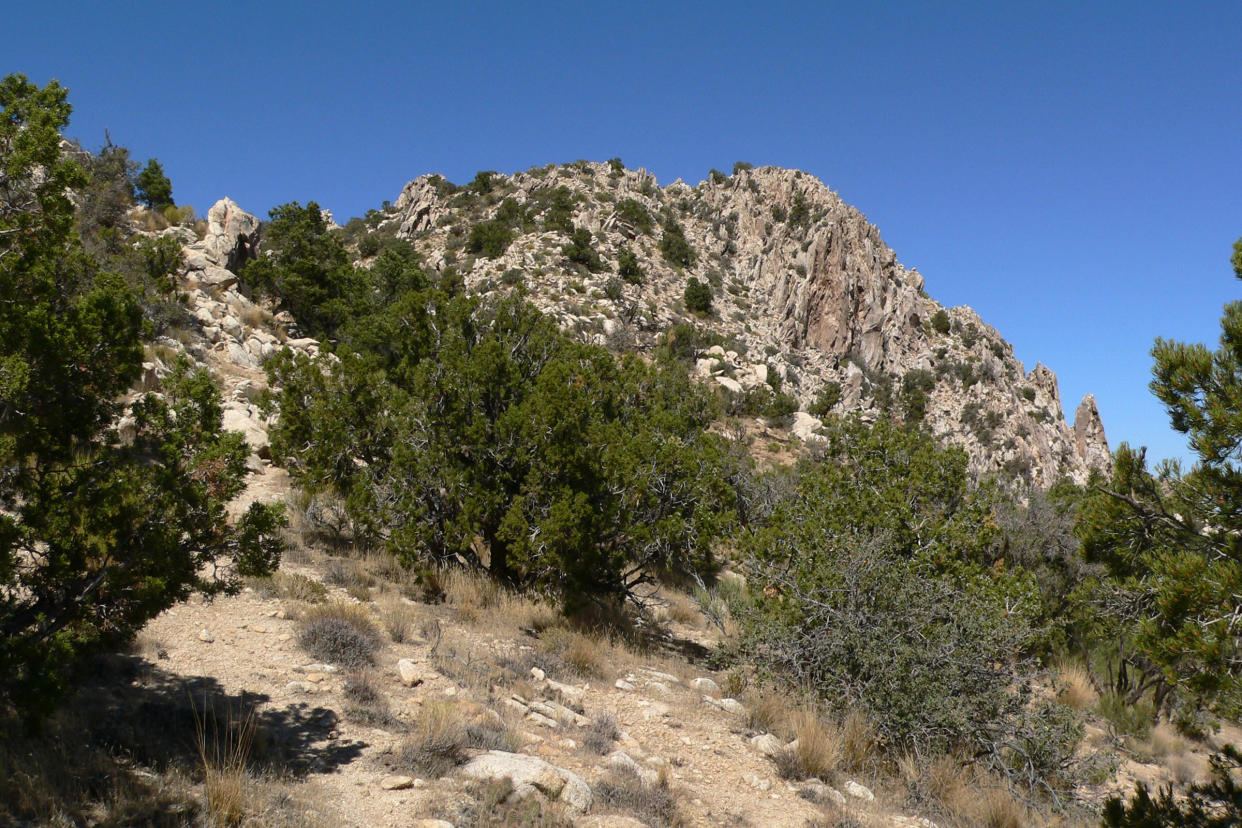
(803, 287)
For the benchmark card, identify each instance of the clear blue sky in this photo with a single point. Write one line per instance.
(1073, 171)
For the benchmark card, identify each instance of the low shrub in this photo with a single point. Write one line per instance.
(339, 633)
(437, 742)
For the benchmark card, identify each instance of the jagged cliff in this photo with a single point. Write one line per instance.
(803, 287)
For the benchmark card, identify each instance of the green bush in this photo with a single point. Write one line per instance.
(489, 238)
(873, 585)
(698, 297)
(628, 267)
(153, 187)
(634, 213)
(674, 247)
(579, 251)
(98, 535)
(940, 322)
(826, 400)
(741, 166)
(1215, 804)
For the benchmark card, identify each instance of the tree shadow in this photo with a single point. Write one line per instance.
(162, 720)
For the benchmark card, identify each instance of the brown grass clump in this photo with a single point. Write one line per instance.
(224, 757)
(491, 804)
(292, 586)
(859, 743)
(398, 619)
(582, 654)
(773, 713)
(1073, 686)
(339, 633)
(438, 741)
(682, 610)
(819, 745)
(625, 791)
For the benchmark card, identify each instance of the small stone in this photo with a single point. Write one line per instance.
(411, 676)
(622, 684)
(767, 744)
(258, 628)
(733, 706)
(705, 685)
(659, 688)
(656, 710)
(396, 783)
(315, 678)
(542, 720)
(569, 744)
(859, 791)
(281, 614)
(432, 823)
(664, 677)
(317, 668)
(284, 637)
(206, 636)
(537, 674)
(300, 687)
(757, 782)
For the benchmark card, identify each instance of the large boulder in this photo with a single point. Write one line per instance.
(232, 237)
(529, 773)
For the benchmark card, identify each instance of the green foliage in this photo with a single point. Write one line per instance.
(307, 267)
(558, 204)
(490, 238)
(674, 247)
(628, 267)
(484, 182)
(635, 214)
(742, 166)
(826, 399)
(1215, 804)
(1172, 543)
(613, 289)
(799, 212)
(698, 297)
(152, 186)
(97, 534)
(484, 434)
(616, 166)
(940, 322)
(915, 386)
(872, 583)
(717, 177)
(580, 251)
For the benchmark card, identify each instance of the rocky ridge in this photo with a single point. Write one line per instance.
(804, 290)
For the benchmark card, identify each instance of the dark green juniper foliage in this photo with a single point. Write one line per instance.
(873, 583)
(97, 534)
(449, 420)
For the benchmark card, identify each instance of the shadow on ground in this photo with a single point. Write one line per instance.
(108, 756)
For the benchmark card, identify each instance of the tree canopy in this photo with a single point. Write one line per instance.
(98, 533)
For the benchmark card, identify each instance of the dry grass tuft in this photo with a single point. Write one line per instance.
(625, 791)
(681, 609)
(438, 741)
(339, 633)
(859, 742)
(398, 619)
(819, 745)
(1073, 686)
(772, 712)
(292, 586)
(999, 809)
(583, 655)
(224, 756)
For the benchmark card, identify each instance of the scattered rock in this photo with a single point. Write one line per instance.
(705, 685)
(859, 791)
(622, 684)
(758, 782)
(767, 744)
(411, 675)
(301, 687)
(317, 668)
(537, 674)
(727, 705)
(396, 783)
(524, 770)
(206, 636)
(621, 761)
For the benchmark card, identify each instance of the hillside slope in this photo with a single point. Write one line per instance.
(803, 288)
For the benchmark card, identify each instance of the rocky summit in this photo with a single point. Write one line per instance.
(805, 296)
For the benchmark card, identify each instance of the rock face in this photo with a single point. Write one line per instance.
(806, 295)
(232, 236)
